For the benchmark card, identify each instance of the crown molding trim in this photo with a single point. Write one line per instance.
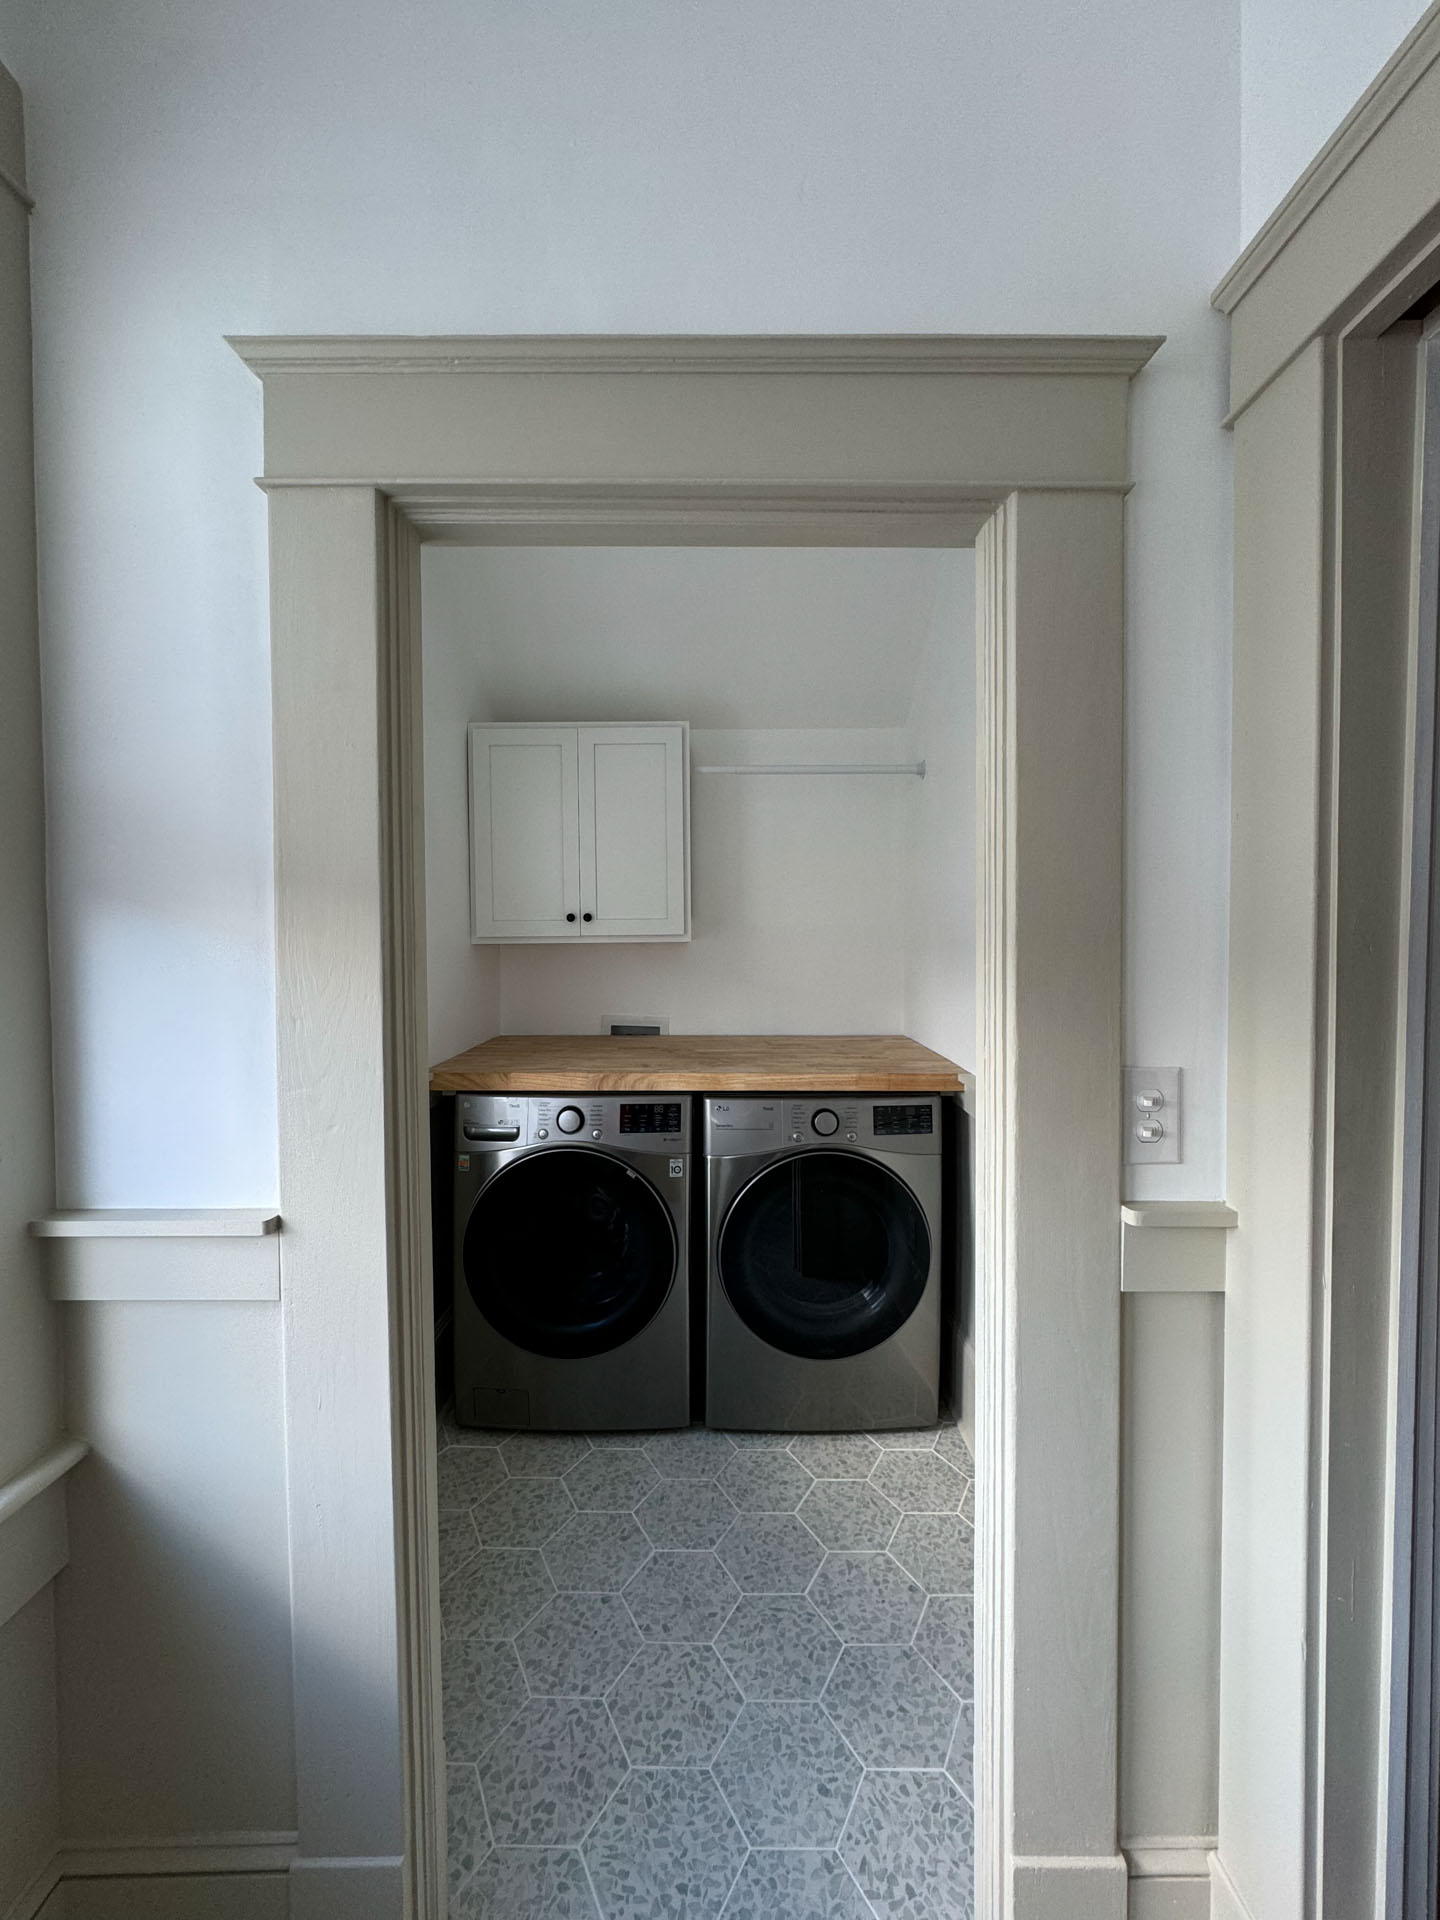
(1396, 80)
(920, 353)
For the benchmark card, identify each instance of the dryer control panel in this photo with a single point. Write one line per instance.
(489, 1122)
(887, 1123)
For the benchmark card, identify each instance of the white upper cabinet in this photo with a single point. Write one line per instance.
(579, 833)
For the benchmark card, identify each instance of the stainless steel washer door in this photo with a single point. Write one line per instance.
(824, 1255)
(569, 1253)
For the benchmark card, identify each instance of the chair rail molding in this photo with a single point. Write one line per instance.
(34, 1541)
(169, 1253)
(372, 445)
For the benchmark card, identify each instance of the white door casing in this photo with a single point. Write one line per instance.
(1019, 445)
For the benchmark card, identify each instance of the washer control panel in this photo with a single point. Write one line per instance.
(891, 1123)
(490, 1122)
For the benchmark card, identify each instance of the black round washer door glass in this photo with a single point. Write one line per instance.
(824, 1255)
(569, 1253)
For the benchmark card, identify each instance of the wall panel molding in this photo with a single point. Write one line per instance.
(34, 1542)
(167, 1254)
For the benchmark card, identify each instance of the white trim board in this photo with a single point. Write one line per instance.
(1173, 1246)
(168, 1268)
(1355, 237)
(1034, 438)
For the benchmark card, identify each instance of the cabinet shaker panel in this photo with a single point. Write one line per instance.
(632, 831)
(524, 833)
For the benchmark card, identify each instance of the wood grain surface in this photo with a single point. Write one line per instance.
(699, 1063)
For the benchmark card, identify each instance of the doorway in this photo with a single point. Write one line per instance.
(1017, 446)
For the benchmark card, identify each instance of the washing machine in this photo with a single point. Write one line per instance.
(824, 1284)
(572, 1304)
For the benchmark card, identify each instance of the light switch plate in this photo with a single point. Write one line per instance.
(1144, 1087)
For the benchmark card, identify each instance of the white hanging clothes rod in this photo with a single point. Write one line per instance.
(915, 768)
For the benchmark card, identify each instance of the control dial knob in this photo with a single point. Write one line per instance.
(825, 1122)
(570, 1119)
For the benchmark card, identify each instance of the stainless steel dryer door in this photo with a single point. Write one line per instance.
(824, 1255)
(569, 1253)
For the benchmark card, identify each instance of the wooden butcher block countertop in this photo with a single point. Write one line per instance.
(699, 1063)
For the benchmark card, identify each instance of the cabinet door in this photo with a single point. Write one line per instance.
(524, 833)
(632, 832)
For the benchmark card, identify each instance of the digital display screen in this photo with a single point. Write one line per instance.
(650, 1118)
(893, 1120)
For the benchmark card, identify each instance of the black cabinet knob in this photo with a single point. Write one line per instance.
(587, 916)
(570, 916)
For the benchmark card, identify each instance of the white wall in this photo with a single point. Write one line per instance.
(799, 884)
(463, 1002)
(174, 1614)
(940, 832)
(1302, 68)
(484, 167)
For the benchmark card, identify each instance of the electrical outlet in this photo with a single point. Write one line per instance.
(1152, 1116)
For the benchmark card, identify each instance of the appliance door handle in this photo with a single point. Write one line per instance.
(491, 1133)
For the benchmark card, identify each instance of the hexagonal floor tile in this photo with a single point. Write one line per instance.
(523, 1513)
(787, 1774)
(906, 1439)
(494, 1594)
(466, 1474)
(960, 1762)
(910, 1843)
(778, 1648)
(578, 1644)
(695, 1453)
(610, 1480)
(938, 1550)
(762, 1482)
(866, 1597)
(946, 1637)
(967, 1504)
(892, 1707)
(681, 1596)
(481, 1691)
(665, 1845)
(849, 1514)
(836, 1456)
(543, 1453)
(758, 1442)
(467, 1838)
(527, 1881)
(950, 1445)
(546, 1781)
(685, 1513)
(673, 1706)
(458, 1539)
(920, 1482)
(771, 1553)
(596, 1553)
(795, 1886)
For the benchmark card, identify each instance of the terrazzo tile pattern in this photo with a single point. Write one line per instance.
(697, 1674)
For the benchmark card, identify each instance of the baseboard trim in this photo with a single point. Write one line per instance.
(1066, 1887)
(198, 1853)
(1226, 1902)
(33, 1895)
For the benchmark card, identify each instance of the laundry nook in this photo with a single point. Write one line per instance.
(702, 1230)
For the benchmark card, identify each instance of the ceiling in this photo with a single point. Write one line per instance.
(718, 636)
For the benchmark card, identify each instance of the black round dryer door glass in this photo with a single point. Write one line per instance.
(569, 1253)
(824, 1255)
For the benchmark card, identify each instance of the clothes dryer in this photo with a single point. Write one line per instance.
(824, 1284)
(572, 1301)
